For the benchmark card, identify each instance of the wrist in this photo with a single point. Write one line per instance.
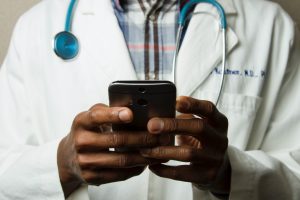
(68, 179)
(221, 186)
(69, 187)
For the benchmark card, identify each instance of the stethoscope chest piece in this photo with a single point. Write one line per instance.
(66, 45)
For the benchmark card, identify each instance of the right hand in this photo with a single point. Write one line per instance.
(83, 155)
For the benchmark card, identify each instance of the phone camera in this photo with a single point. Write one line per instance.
(142, 90)
(142, 102)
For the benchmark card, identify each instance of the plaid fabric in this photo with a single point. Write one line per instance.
(149, 28)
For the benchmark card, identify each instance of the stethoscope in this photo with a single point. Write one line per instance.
(66, 45)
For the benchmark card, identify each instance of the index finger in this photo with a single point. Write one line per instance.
(202, 108)
(102, 114)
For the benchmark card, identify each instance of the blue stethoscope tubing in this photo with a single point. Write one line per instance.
(66, 45)
(183, 18)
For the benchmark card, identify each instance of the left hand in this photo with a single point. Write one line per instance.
(202, 142)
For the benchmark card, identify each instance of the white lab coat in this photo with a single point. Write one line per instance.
(40, 95)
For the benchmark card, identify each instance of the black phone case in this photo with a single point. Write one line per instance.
(146, 99)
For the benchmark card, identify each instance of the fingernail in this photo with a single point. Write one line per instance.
(124, 115)
(157, 125)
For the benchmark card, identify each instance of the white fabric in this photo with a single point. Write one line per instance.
(40, 95)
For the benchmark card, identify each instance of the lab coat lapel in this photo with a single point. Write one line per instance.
(201, 49)
(104, 43)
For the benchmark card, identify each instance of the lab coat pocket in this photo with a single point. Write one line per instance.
(241, 112)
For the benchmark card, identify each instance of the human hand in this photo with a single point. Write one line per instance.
(83, 155)
(202, 141)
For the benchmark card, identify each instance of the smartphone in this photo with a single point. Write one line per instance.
(146, 99)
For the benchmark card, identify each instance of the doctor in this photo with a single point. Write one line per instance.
(54, 122)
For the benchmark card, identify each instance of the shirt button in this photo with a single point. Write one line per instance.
(152, 17)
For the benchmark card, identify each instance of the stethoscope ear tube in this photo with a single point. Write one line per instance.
(190, 4)
(178, 39)
(223, 66)
(182, 23)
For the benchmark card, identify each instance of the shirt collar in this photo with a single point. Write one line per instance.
(117, 4)
(227, 5)
(120, 4)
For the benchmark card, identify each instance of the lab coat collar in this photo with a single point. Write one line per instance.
(87, 6)
(100, 29)
(228, 6)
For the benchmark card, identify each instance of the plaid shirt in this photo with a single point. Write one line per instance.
(149, 28)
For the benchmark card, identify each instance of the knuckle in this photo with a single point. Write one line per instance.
(123, 161)
(92, 178)
(199, 125)
(81, 142)
(99, 105)
(211, 108)
(86, 176)
(117, 140)
(78, 142)
(159, 151)
(112, 139)
(92, 115)
(172, 125)
(82, 161)
(112, 114)
(187, 153)
(77, 120)
(148, 139)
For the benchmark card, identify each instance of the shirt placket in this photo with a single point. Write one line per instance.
(146, 28)
(151, 23)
